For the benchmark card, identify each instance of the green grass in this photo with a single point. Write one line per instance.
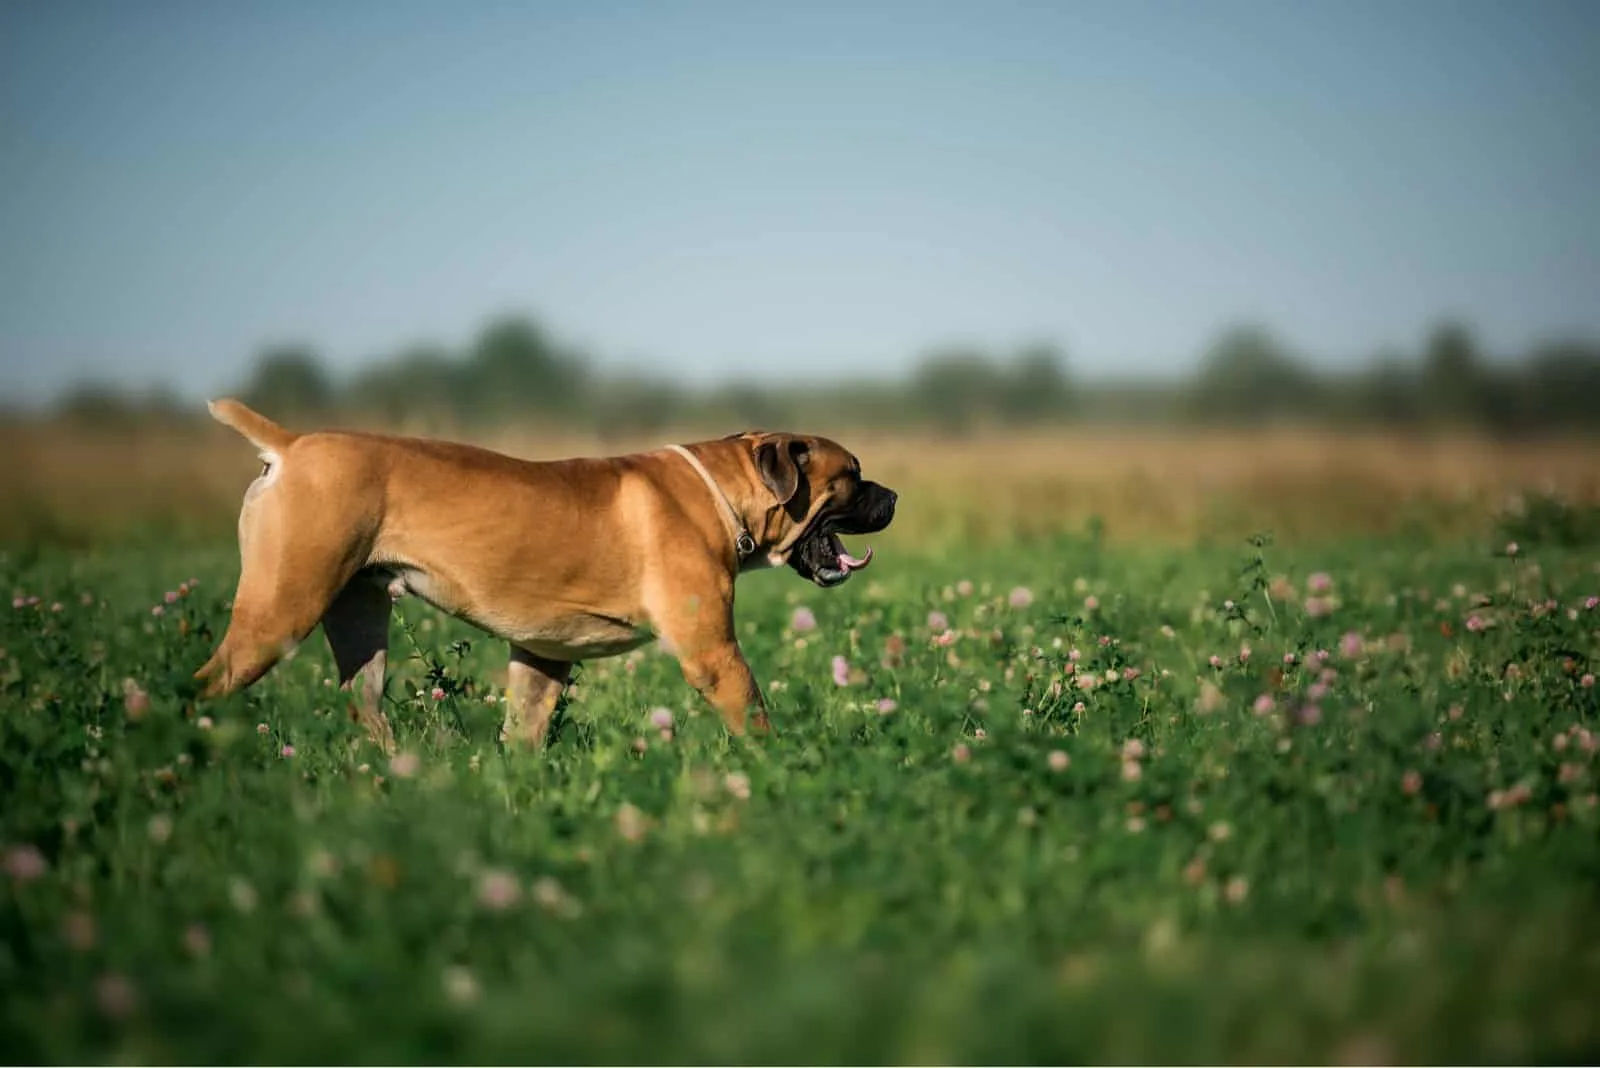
(895, 887)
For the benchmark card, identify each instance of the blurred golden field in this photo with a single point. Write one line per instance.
(70, 484)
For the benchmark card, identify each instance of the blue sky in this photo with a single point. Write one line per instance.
(775, 190)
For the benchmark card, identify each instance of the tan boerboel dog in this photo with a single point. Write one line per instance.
(565, 560)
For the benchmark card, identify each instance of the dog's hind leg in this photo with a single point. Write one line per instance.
(357, 628)
(285, 586)
(533, 685)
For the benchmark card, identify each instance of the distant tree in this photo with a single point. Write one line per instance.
(625, 406)
(289, 381)
(161, 402)
(1388, 393)
(98, 405)
(420, 386)
(744, 405)
(1557, 387)
(1454, 379)
(514, 369)
(1036, 386)
(956, 389)
(1248, 376)
(845, 405)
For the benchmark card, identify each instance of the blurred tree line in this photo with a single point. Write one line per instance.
(515, 372)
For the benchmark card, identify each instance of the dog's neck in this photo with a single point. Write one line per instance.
(744, 545)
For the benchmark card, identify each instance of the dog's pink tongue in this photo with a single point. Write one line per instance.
(850, 563)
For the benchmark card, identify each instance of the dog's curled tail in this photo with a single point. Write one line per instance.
(260, 431)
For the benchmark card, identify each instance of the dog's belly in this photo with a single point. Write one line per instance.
(580, 638)
(553, 631)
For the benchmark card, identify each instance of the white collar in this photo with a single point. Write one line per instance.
(743, 544)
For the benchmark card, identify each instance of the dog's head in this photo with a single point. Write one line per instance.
(817, 494)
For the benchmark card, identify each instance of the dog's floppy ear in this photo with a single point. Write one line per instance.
(779, 460)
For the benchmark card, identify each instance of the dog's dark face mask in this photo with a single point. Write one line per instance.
(819, 487)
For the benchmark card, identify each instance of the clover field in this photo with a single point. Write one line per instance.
(1044, 800)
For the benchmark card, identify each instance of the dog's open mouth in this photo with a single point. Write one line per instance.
(822, 558)
(844, 563)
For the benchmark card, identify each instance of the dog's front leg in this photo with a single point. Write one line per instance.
(698, 631)
(533, 686)
(722, 676)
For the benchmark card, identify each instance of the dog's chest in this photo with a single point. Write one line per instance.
(546, 628)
